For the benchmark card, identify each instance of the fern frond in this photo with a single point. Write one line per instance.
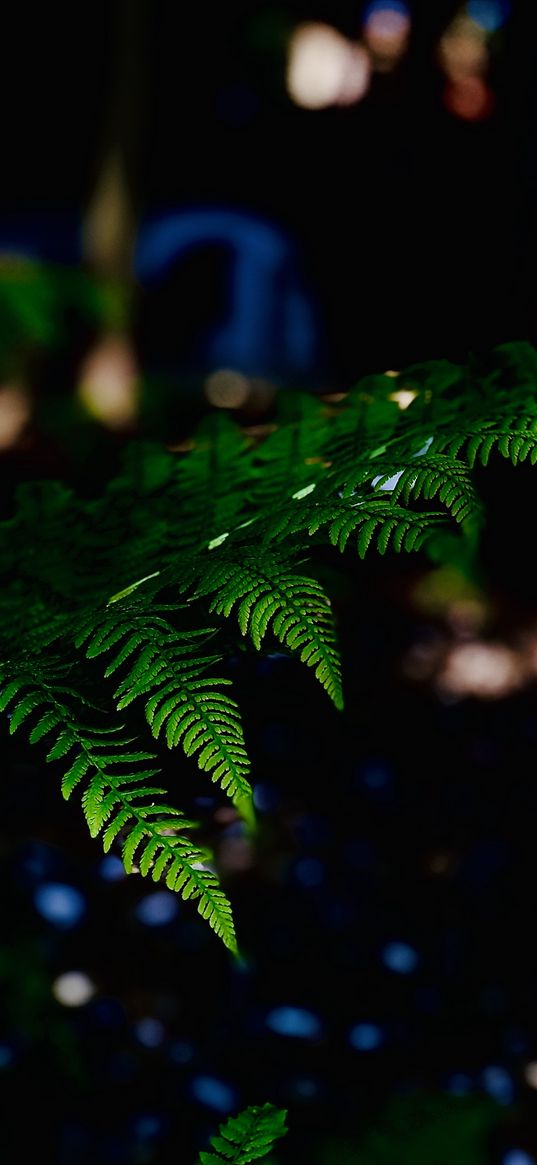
(166, 668)
(246, 1137)
(118, 801)
(374, 520)
(266, 593)
(513, 437)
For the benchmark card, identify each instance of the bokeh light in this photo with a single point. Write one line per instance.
(403, 397)
(469, 98)
(73, 989)
(62, 905)
(488, 671)
(214, 1093)
(518, 1157)
(111, 868)
(325, 69)
(158, 909)
(15, 412)
(365, 1037)
(150, 1032)
(227, 389)
(498, 1084)
(462, 51)
(530, 1074)
(109, 383)
(294, 1021)
(400, 958)
(490, 15)
(386, 31)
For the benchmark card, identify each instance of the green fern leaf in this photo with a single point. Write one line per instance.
(246, 1137)
(117, 794)
(266, 593)
(166, 670)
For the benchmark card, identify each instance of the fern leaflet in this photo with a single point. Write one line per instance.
(117, 799)
(266, 593)
(246, 1137)
(166, 669)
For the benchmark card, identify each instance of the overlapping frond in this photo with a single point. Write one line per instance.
(119, 794)
(167, 669)
(246, 1137)
(266, 593)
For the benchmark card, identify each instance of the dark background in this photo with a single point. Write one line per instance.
(416, 229)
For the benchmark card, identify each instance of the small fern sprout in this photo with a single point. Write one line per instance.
(247, 1137)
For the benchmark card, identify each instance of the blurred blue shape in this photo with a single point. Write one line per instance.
(148, 1125)
(498, 1083)
(294, 1021)
(37, 860)
(6, 1056)
(157, 909)
(111, 868)
(60, 904)
(266, 797)
(365, 1037)
(489, 14)
(309, 872)
(270, 325)
(518, 1157)
(400, 957)
(150, 1032)
(386, 5)
(214, 1093)
(459, 1084)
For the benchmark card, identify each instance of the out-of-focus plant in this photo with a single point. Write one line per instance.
(38, 303)
(422, 1130)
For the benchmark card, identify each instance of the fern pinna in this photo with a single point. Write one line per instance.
(246, 1137)
(118, 613)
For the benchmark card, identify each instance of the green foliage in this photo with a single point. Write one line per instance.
(127, 605)
(424, 1130)
(38, 302)
(246, 1137)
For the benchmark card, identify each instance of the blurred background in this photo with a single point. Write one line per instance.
(199, 208)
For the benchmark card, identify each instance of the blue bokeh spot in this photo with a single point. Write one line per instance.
(60, 904)
(365, 1037)
(214, 1093)
(400, 957)
(294, 1021)
(157, 909)
(489, 14)
(111, 868)
(149, 1032)
(518, 1157)
(498, 1083)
